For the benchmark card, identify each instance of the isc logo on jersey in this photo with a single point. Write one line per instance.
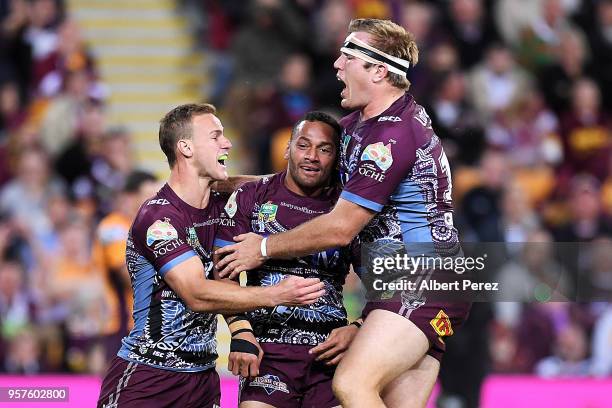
(162, 236)
(389, 119)
(381, 155)
(159, 201)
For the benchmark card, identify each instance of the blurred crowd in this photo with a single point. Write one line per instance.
(519, 91)
(68, 190)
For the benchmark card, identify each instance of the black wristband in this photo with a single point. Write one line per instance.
(243, 346)
(356, 323)
(241, 331)
(237, 318)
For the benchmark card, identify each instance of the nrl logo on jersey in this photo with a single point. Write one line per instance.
(267, 212)
(231, 207)
(161, 231)
(380, 154)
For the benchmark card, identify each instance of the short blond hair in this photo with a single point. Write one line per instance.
(391, 39)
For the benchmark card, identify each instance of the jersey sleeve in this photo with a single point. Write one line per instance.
(237, 212)
(382, 164)
(161, 235)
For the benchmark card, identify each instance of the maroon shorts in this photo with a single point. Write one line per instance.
(290, 378)
(129, 384)
(436, 320)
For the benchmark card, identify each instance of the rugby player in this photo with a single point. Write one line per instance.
(290, 376)
(397, 188)
(168, 358)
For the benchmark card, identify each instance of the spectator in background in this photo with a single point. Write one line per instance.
(600, 38)
(471, 30)
(275, 115)
(454, 120)
(497, 83)
(264, 42)
(215, 29)
(586, 132)
(260, 48)
(571, 63)
(570, 359)
(518, 221)
(540, 39)
(535, 275)
(69, 56)
(17, 307)
(75, 286)
(276, 108)
(17, 315)
(527, 132)
(481, 205)
(418, 18)
(15, 52)
(75, 161)
(513, 16)
(586, 219)
(329, 23)
(442, 59)
(25, 198)
(108, 172)
(12, 113)
(11, 117)
(23, 355)
(109, 254)
(595, 282)
(60, 123)
(42, 36)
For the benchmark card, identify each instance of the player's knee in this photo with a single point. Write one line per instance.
(341, 389)
(345, 389)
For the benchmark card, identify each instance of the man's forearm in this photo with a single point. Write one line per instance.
(228, 299)
(316, 235)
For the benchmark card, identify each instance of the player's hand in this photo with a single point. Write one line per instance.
(242, 256)
(332, 350)
(296, 291)
(245, 364)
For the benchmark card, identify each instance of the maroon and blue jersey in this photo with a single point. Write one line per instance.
(269, 207)
(166, 334)
(394, 164)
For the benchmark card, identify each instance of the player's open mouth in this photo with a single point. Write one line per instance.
(343, 91)
(222, 159)
(310, 169)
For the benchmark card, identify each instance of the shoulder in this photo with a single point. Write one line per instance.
(410, 125)
(259, 188)
(157, 211)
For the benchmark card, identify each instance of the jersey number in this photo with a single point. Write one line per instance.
(445, 167)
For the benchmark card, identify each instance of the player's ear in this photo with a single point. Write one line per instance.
(286, 155)
(184, 147)
(380, 73)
